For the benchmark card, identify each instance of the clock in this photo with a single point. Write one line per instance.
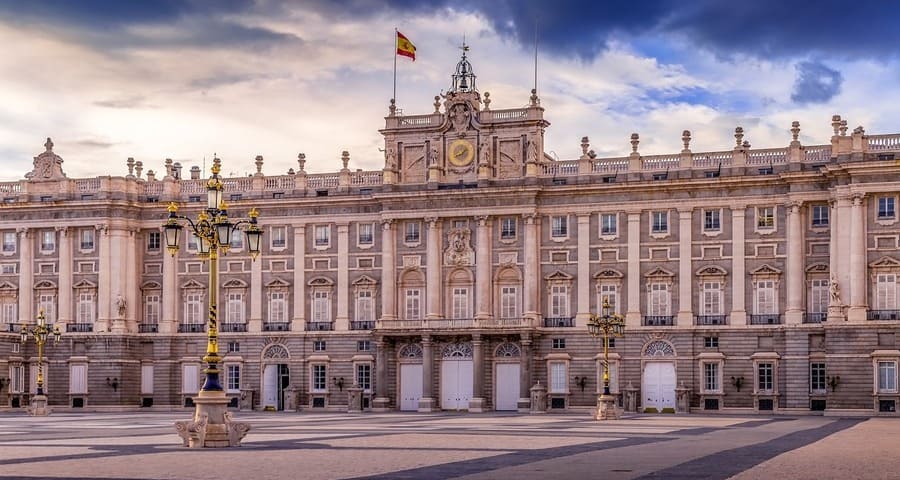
(461, 153)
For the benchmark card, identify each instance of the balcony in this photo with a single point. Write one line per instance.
(319, 326)
(13, 327)
(711, 319)
(80, 327)
(883, 315)
(559, 322)
(456, 323)
(278, 326)
(766, 319)
(362, 325)
(148, 328)
(191, 327)
(233, 327)
(658, 320)
(814, 317)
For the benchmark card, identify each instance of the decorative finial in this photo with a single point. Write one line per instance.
(172, 208)
(795, 131)
(843, 128)
(487, 100)
(138, 168)
(585, 145)
(259, 164)
(130, 163)
(345, 158)
(392, 108)
(48, 145)
(836, 123)
(738, 136)
(254, 213)
(217, 165)
(686, 140)
(535, 101)
(301, 160)
(859, 130)
(635, 140)
(746, 144)
(437, 104)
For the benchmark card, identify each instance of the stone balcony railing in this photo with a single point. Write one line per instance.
(452, 323)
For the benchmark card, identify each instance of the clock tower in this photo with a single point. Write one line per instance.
(463, 141)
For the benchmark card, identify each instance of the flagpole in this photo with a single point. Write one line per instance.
(394, 97)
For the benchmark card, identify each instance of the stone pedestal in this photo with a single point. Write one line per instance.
(538, 398)
(606, 408)
(835, 313)
(212, 426)
(476, 405)
(38, 406)
(381, 404)
(427, 405)
(682, 399)
(247, 395)
(630, 398)
(290, 400)
(354, 399)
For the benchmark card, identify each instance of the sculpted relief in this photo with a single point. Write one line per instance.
(459, 252)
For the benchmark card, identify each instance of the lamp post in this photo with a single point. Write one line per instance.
(40, 333)
(213, 230)
(606, 324)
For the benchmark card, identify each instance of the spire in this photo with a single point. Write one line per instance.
(464, 77)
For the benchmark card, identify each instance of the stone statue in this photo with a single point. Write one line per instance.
(120, 305)
(531, 153)
(835, 291)
(390, 159)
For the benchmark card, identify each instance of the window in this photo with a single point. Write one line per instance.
(886, 208)
(364, 376)
(507, 228)
(321, 307)
(886, 291)
(819, 297)
(47, 304)
(364, 345)
(193, 243)
(234, 347)
(9, 312)
(460, 303)
(765, 218)
(509, 302)
(365, 233)
(412, 232)
(887, 376)
(711, 221)
(318, 345)
(558, 378)
(559, 226)
(413, 303)
(277, 307)
(365, 306)
(233, 378)
(460, 224)
(85, 307)
(234, 307)
(154, 241)
(151, 308)
(9, 242)
(558, 343)
(48, 241)
(659, 222)
(86, 237)
(559, 301)
(237, 240)
(711, 382)
(711, 342)
(193, 306)
(658, 299)
(608, 224)
(819, 215)
(8, 268)
(323, 235)
(610, 293)
(712, 299)
(319, 375)
(279, 237)
(765, 298)
(765, 377)
(17, 379)
(817, 377)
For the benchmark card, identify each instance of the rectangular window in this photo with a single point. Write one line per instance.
(86, 237)
(364, 376)
(819, 296)
(48, 241)
(365, 233)
(711, 342)
(9, 312)
(193, 306)
(234, 347)
(413, 303)
(47, 304)
(507, 228)
(765, 218)
(460, 303)
(323, 235)
(154, 240)
(364, 345)
(610, 293)
(365, 306)
(659, 222)
(558, 343)
(819, 214)
(234, 309)
(460, 223)
(190, 380)
(321, 307)
(9, 242)
(886, 208)
(237, 241)
(559, 301)
(8, 268)
(887, 376)
(319, 376)
(608, 224)
(817, 377)
(712, 298)
(277, 307)
(17, 379)
(279, 237)
(559, 226)
(318, 345)
(711, 221)
(711, 377)
(558, 378)
(765, 298)
(765, 377)
(886, 291)
(233, 378)
(85, 307)
(658, 299)
(193, 243)
(509, 302)
(411, 232)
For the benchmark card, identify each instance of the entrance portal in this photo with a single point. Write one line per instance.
(658, 386)
(276, 378)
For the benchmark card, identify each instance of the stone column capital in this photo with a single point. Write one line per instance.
(63, 230)
(529, 218)
(387, 223)
(482, 220)
(431, 222)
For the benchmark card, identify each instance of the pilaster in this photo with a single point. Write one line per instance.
(342, 321)
(738, 266)
(104, 276)
(168, 323)
(633, 314)
(483, 308)
(64, 310)
(427, 402)
(532, 267)
(583, 312)
(685, 271)
(26, 275)
(298, 320)
(524, 403)
(858, 302)
(476, 404)
(433, 269)
(254, 323)
(794, 311)
(388, 271)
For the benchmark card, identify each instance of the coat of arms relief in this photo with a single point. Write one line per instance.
(459, 250)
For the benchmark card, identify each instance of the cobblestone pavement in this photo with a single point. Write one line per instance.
(439, 446)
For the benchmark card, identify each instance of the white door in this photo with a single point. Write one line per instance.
(410, 386)
(456, 384)
(659, 385)
(506, 387)
(270, 386)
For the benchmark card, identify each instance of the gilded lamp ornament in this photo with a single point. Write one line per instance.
(40, 333)
(607, 325)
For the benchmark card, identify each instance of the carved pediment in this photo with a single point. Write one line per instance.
(278, 283)
(766, 270)
(151, 285)
(817, 268)
(321, 282)
(192, 285)
(608, 273)
(558, 276)
(712, 271)
(45, 285)
(47, 165)
(659, 272)
(885, 262)
(7, 287)
(234, 283)
(86, 284)
(364, 281)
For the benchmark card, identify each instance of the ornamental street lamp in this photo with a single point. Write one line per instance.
(40, 333)
(213, 229)
(606, 324)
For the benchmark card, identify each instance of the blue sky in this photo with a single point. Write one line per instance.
(186, 79)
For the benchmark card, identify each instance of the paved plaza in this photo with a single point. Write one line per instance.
(438, 446)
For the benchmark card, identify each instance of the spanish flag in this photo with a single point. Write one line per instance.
(405, 47)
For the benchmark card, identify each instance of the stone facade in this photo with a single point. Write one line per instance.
(462, 275)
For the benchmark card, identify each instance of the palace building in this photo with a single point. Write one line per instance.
(462, 275)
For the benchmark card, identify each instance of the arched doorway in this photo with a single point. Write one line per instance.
(456, 376)
(275, 377)
(507, 377)
(658, 378)
(410, 366)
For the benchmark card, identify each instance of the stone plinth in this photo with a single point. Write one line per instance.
(427, 405)
(606, 408)
(354, 399)
(212, 426)
(38, 407)
(538, 398)
(476, 405)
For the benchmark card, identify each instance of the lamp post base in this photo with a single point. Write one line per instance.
(212, 426)
(38, 407)
(606, 408)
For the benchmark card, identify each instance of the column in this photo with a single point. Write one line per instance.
(104, 275)
(476, 403)
(427, 402)
(835, 311)
(633, 314)
(483, 268)
(794, 309)
(857, 285)
(583, 285)
(342, 320)
(433, 272)
(532, 305)
(254, 323)
(168, 322)
(116, 283)
(738, 294)
(132, 272)
(524, 404)
(844, 225)
(685, 270)
(26, 276)
(298, 320)
(381, 401)
(388, 271)
(64, 309)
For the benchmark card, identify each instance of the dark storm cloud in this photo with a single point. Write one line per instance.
(816, 83)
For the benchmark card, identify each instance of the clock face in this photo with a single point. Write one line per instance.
(461, 153)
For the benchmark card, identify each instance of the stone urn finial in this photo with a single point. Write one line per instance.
(738, 136)
(259, 164)
(836, 123)
(138, 168)
(635, 141)
(686, 140)
(345, 158)
(487, 100)
(301, 161)
(795, 131)
(130, 163)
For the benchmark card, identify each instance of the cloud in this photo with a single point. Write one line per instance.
(135, 101)
(816, 83)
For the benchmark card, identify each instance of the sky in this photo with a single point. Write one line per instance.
(188, 80)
